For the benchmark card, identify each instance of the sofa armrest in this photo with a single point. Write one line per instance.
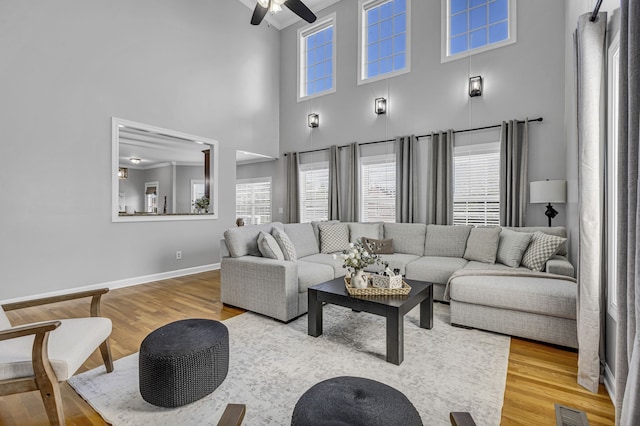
(560, 265)
(265, 286)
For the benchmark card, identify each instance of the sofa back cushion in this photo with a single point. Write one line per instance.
(303, 238)
(446, 240)
(558, 231)
(407, 238)
(243, 240)
(334, 237)
(365, 230)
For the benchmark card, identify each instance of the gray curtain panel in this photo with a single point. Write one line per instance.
(293, 192)
(514, 180)
(407, 180)
(591, 83)
(334, 183)
(628, 289)
(352, 208)
(440, 179)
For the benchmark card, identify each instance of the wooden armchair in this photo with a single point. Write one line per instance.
(38, 356)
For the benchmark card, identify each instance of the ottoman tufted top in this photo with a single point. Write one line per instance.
(183, 337)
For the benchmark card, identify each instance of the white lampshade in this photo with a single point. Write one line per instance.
(548, 191)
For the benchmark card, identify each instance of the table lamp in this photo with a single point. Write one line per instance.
(548, 191)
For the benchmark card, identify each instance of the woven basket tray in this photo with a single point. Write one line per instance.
(374, 291)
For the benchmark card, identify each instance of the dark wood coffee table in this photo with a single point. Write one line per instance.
(393, 308)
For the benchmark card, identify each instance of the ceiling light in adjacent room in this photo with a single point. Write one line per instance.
(135, 160)
(475, 86)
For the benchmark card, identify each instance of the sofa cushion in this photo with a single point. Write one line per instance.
(378, 246)
(285, 244)
(482, 244)
(243, 240)
(334, 237)
(407, 238)
(512, 247)
(528, 294)
(269, 247)
(541, 248)
(558, 231)
(434, 269)
(303, 238)
(395, 261)
(311, 273)
(446, 240)
(327, 259)
(364, 230)
(492, 267)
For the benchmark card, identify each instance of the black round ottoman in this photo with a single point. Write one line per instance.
(354, 401)
(183, 361)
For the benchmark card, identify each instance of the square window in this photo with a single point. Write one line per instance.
(478, 18)
(386, 10)
(386, 65)
(458, 6)
(399, 24)
(474, 3)
(400, 6)
(399, 61)
(498, 11)
(386, 48)
(373, 33)
(498, 32)
(386, 28)
(459, 24)
(372, 52)
(373, 15)
(373, 69)
(459, 44)
(399, 42)
(478, 38)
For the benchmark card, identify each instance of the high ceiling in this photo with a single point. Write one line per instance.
(286, 17)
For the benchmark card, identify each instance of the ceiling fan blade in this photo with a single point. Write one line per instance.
(297, 7)
(259, 13)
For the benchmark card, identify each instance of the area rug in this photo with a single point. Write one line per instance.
(272, 364)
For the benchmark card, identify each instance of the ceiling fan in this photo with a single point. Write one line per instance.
(296, 6)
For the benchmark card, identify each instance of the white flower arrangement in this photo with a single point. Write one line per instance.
(357, 257)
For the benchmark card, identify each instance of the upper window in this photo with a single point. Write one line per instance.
(474, 26)
(384, 39)
(317, 59)
(378, 188)
(476, 194)
(253, 200)
(314, 191)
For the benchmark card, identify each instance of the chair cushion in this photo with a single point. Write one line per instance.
(541, 248)
(482, 244)
(69, 347)
(446, 240)
(303, 238)
(364, 230)
(269, 247)
(243, 240)
(434, 269)
(334, 237)
(285, 244)
(512, 247)
(407, 238)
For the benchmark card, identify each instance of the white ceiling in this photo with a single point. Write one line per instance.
(285, 18)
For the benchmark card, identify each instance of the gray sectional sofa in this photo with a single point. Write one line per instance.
(483, 292)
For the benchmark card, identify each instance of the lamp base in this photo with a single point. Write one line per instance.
(550, 213)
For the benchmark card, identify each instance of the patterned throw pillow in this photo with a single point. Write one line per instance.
(512, 246)
(285, 244)
(378, 246)
(541, 248)
(269, 247)
(334, 237)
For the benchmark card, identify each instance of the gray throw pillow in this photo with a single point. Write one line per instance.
(334, 237)
(542, 247)
(269, 247)
(285, 244)
(446, 240)
(512, 247)
(482, 244)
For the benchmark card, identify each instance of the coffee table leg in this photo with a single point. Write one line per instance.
(395, 336)
(426, 311)
(315, 314)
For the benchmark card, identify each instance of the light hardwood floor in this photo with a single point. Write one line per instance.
(538, 375)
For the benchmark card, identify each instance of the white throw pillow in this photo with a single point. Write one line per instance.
(269, 247)
(541, 248)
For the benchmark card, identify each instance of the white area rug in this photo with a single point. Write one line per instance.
(272, 364)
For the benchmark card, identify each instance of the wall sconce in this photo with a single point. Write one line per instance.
(313, 120)
(123, 172)
(134, 160)
(548, 191)
(380, 106)
(475, 86)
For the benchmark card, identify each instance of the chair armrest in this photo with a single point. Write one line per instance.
(233, 415)
(27, 330)
(94, 294)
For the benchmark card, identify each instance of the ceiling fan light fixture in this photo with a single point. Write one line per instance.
(135, 160)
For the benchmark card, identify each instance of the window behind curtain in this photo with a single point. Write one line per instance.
(378, 188)
(253, 200)
(314, 191)
(476, 196)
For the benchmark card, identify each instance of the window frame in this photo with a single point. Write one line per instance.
(320, 25)
(377, 159)
(445, 30)
(307, 167)
(363, 7)
(258, 180)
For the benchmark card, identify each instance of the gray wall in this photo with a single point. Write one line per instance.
(67, 67)
(164, 176)
(184, 175)
(133, 188)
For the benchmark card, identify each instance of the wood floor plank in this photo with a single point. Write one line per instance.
(538, 375)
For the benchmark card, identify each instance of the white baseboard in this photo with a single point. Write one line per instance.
(610, 382)
(127, 282)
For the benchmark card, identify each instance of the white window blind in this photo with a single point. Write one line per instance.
(476, 198)
(378, 188)
(253, 200)
(314, 191)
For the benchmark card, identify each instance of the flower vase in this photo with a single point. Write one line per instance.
(359, 279)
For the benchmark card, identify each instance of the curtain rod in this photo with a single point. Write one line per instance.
(417, 137)
(594, 15)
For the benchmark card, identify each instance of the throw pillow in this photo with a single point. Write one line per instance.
(334, 237)
(378, 246)
(512, 246)
(269, 247)
(542, 247)
(482, 244)
(285, 244)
